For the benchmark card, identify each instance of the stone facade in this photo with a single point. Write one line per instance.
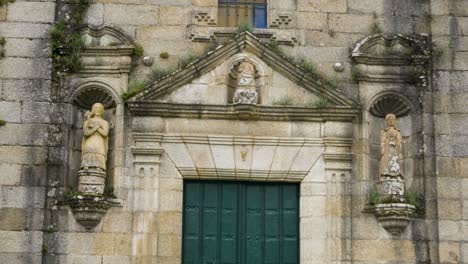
(324, 75)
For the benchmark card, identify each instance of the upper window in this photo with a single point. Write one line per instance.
(232, 13)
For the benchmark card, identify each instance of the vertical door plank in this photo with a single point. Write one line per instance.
(229, 223)
(253, 224)
(210, 222)
(290, 224)
(192, 217)
(272, 223)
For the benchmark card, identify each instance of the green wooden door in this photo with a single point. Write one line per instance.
(240, 222)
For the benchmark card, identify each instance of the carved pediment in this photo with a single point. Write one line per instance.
(390, 50)
(241, 72)
(105, 36)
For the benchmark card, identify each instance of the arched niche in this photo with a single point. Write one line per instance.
(85, 95)
(232, 69)
(408, 122)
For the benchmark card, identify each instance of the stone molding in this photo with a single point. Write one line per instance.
(203, 33)
(243, 157)
(240, 140)
(236, 157)
(389, 102)
(107, 50)
(90, 92)
(105, 36)
(147, 151)
(337, 155)
(243, 112)
(392, 58)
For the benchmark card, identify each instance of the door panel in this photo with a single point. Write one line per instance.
(240, 223)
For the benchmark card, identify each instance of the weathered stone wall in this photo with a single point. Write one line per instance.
(450, 115)
(25, 106)
(147, 228)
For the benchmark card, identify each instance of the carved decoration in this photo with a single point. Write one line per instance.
(404, 58)
(392, 209)
(394, 50)
(243, 42)
(105, 36)
(88, 96)
(89, 210)
(202, 18)
(394, 217)
(282, 21)
(245, 91)
(390, 103)
(391, 150)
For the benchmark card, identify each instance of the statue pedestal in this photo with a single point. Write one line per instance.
(91, 181)
(392, 210)
(88, 210)
(394, 217)
(391, 189)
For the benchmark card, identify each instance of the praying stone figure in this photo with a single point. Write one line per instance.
(245, 89)
(391, 182)
(391, 150)
(94, 147)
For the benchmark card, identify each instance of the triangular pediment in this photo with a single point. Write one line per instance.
(283, 79)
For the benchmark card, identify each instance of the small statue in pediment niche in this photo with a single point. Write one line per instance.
(246, 75)
(245, 88)
(95, 139)
(391, 149)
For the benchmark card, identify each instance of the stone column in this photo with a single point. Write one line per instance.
(337, 161)
(146, 158)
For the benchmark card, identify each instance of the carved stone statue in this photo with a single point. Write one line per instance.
(391, 184)
(245, 89)
(94, 151)
(391, 150)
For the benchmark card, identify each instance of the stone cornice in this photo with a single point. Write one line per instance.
(243, 112)
(239, 140)
(391, 58)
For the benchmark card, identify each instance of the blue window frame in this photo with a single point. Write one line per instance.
(232, 13)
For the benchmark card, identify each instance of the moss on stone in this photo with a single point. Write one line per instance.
(164, 55)
(245, 27)
(66, 35)
(138, 50)
(133, 90)
(285, 100)
(4, 2)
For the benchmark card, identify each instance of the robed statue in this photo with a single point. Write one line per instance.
(92, 173)
(95, 139)
(391, 150)
(245, 87)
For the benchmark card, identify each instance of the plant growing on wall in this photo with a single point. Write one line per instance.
(164, 55)
(244, 27)
(66, 39)
(285, 100)
(4, 2)
(2, 44)
(138, 50)
(306, 65)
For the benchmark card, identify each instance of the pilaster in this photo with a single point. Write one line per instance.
(147, 153)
